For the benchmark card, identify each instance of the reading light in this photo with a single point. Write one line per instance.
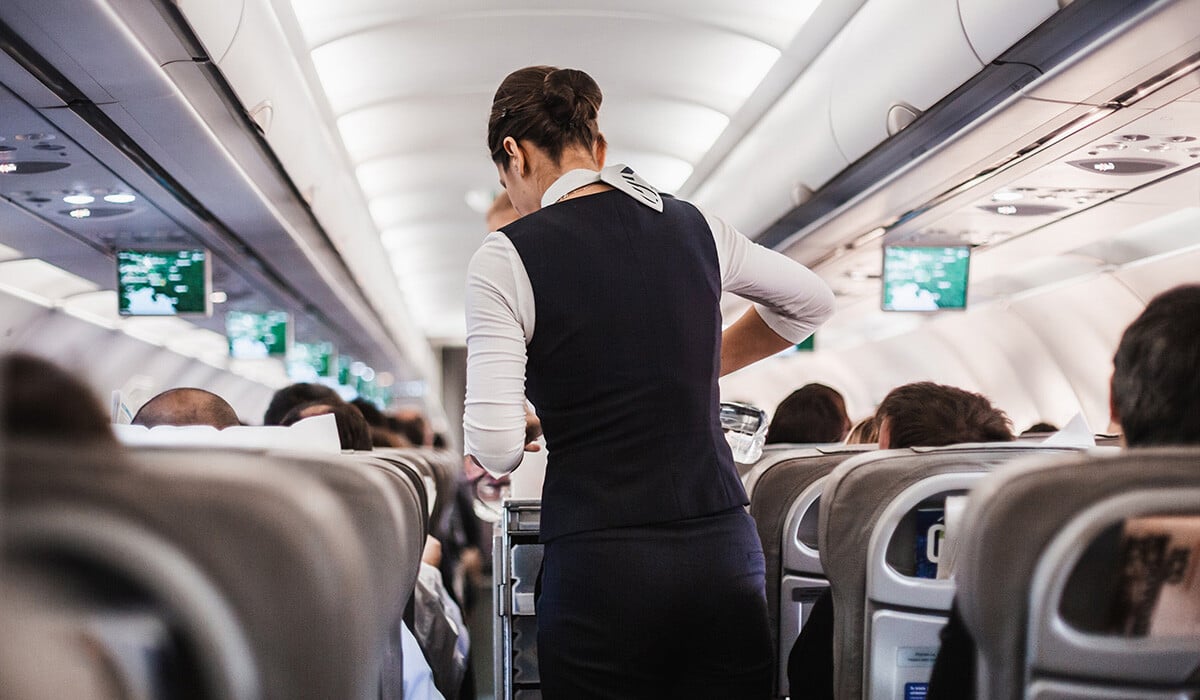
(120, 198)
(1007, 196)
(80, 213)
(8, 167)
(218, 297)
(79, 199)
(1007, 209)
(1103, 167)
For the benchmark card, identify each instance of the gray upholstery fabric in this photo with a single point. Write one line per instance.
(442, 466)
(275, 541)
(1038, 498)
(784, 476)
(48, 652)
(855, 495)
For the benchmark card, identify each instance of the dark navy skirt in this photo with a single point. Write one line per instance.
(672, 610)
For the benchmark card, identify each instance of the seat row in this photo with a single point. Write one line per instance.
(155, 573)
(1035, 556)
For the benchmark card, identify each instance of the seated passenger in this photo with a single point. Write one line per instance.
(43, 402)
(1040, 429)
(1154, 396)
(812, 413)
(187, 406)
(864, 432)
(381, 435)
(292, 396)
(412, 425)
(353, 431)
(922, 414)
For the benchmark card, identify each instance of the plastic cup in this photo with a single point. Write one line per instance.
(745, 429)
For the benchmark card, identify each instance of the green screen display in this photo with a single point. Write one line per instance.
(925, 278)
(318, 359)
(254, 335)
(163, 282)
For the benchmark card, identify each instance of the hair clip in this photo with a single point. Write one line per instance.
(504, 113)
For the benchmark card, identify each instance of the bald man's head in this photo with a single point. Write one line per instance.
(187, 406)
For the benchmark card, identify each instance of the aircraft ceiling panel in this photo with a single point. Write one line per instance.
(720, 69)
(768, 21)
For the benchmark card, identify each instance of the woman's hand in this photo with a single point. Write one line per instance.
(533, 431)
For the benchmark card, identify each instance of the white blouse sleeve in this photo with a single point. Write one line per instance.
(791, 299)
(500, 317)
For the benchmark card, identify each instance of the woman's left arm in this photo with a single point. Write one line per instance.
(499, 312)
(791, 301)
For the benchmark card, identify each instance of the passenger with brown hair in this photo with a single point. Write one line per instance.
(922, 414)
(294, 395)
(812, 413)
(353, 431)
(40, 401)
(187, 406)
(1154, 395)
(623, 285)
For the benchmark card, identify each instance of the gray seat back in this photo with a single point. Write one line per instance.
(440, 468)
(886, 620)
(1038, 604)
(275, 542)
(784, 505)
(120, 610)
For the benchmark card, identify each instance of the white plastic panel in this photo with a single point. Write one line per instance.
(905, 51)
(42, 279)
(792, 146)
(1081, 325)
(1150, 279)
(214, 21)
(992, 27)
(796, 598)
(902, 648)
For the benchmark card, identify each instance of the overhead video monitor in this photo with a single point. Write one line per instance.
(257, 335)
(163, 282)
(924, 278)
(308, 361)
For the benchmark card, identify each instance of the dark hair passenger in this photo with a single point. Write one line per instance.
(292, 396)
(353, 431)
(924, 414)
(1156, 372)
(812, 413)
(41, 401)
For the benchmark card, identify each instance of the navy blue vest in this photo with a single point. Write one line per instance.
(624, 361)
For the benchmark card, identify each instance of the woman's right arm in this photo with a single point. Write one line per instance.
(790, 301)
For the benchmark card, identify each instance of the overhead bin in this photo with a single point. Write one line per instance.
(215, 22)
(909, 53)
(992, 27)
(791, 150)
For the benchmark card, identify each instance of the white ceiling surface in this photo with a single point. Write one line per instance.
(410, 83)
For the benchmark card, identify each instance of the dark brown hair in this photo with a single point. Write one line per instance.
(39, 400)
(924, 414)
(550, 107)
(353, 431)
(812, 413)
(1156, 372)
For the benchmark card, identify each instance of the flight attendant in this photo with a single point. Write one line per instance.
(601, 304)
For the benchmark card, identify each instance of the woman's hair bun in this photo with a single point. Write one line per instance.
(571, 97)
